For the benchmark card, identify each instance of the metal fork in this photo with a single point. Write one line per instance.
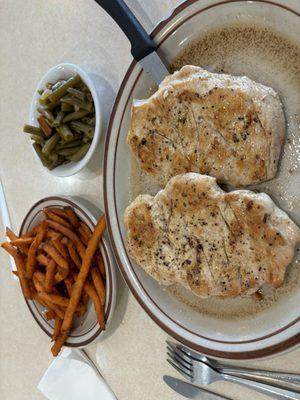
(284, 380)
(199, 373)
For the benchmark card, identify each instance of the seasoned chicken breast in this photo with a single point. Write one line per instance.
(228, 127)
(212, 242)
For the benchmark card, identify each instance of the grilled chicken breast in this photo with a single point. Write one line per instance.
(212, 242)
(228, 127)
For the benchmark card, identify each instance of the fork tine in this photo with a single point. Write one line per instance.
(180, 359)
(187, 376)
(177, 349)
(179, 363)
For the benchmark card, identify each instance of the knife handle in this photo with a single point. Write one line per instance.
(141, 43)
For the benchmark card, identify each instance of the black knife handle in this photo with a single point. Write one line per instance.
(141, 43)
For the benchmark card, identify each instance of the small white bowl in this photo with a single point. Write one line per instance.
(86, 329)
(65, 71)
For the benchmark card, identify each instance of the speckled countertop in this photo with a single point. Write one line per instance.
(34, 36)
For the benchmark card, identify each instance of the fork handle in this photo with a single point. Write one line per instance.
(283, 380)
(274, 392)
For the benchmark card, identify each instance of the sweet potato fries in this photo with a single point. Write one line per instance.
(59, 265)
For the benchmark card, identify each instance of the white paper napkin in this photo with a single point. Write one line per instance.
(72, 377)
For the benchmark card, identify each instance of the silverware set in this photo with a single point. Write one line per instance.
(199, 370)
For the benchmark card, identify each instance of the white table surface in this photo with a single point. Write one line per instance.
(35, 35)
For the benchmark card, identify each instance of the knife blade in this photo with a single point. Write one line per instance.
(143, 48)
(191, 391)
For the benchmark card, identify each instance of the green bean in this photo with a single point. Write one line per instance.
(53, 156)
(80, 127)
(89, 134)
(58, 84)
(50, 144)
(47, 113)
(76, 93)
(59, 118)
(68, 145)
(37, 139)
(68, 152)
(33, 130)
(62, 90)
(44, 98)
(45, 161)
(80, 153)
(65, 132)
(75, 115)
(76, 102)
(59, 161)
(66, 107)
(40, 91)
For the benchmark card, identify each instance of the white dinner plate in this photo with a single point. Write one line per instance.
(271, 329)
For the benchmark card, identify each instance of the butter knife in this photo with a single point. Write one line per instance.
(191, 391)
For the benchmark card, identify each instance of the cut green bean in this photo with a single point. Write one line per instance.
(32, 130)
(37, 139)
(66, 107)
(45, 161)
(58, 84)
(75, 115)
(80, 127)
(80, 153)
(59, 118)
(62, 90)
(79, 94)
(50, 144)
(77, 103)
(40, 91)
(68, 152)
(44, 98)
(47, 113)
(68, 145)
(65, 133)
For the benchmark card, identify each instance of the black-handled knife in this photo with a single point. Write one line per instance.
(143, 48)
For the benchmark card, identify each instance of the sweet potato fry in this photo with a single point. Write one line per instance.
(22, 240)
(50, 274)
(55, 349)
(82, 236)
(58, 211)
(100, 264)
(99, 285)
(43, 260)
(10, 234)
(54, 217)
(86, 229)
(57, 326)
(69, 282)
(91, 291)
(60, 247)
(51, 234)
(60, 276)
(50, 314)
(72, 216)
(81, 278)
(54, 299)
(30, 263)
(56, 256)
(69, 233)
(20, 264)
(52, 307)
(73, 254)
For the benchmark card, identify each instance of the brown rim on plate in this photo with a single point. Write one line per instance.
(104, 253)
(269, 350)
